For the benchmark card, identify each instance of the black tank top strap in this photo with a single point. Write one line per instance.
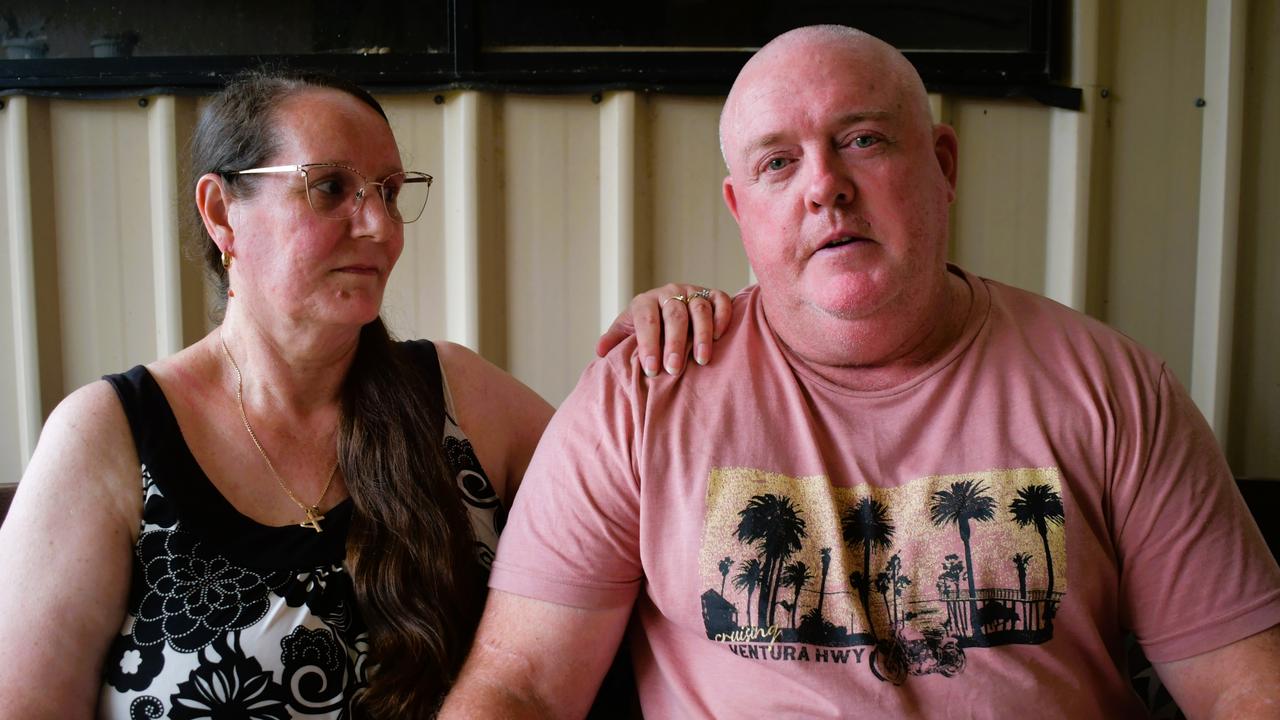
(146, 409)
(423, 356)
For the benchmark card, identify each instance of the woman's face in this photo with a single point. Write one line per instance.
(303, 269)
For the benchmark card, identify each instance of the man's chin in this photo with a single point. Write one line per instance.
(849, 301)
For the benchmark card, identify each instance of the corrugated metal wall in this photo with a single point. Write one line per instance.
(550, 212)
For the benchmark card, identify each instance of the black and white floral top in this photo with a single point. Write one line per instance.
(229, 618)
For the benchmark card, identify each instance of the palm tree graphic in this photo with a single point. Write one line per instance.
(725, 566)
(883, 583)
(949, 585)
(858, 582)
(1020, 561)
(790, 609)
(748, 578)
(796, 576)
(866, 523)
(953, 570)
(1039, 505)
(965, 501)
(897, 581)
(822, 586)
(773, 524)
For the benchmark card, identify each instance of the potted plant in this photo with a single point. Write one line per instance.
(22, 44)
(118, 44)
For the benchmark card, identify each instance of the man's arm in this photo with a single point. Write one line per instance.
(1239, 681)
(535, 659)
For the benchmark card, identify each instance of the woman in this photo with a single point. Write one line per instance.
(296, 463)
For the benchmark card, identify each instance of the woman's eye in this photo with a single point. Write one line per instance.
(329, 186)
(865, 141)
(776, 164)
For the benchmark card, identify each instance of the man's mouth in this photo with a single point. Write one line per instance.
(842, 241)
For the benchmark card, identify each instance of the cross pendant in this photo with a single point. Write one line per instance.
(313, 519)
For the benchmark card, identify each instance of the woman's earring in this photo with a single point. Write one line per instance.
(226, 260)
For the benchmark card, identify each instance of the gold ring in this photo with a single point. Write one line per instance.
(681, 298)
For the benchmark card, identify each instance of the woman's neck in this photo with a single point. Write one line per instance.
(296, 371)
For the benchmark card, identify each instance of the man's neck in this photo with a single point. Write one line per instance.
(869, 355)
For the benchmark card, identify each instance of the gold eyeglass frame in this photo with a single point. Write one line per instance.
(409, 176)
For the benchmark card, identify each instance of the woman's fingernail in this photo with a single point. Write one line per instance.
(650, 365)
(702, 353)
(673, 363)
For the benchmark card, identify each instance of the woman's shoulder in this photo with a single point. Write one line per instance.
(90, 419)
(86, 451)
(501, 416)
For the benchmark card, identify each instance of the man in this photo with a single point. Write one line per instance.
(901, 490)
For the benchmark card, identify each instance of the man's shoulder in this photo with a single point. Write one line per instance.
(1050, 327)
(733, 353)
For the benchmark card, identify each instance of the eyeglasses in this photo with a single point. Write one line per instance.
(337, 191)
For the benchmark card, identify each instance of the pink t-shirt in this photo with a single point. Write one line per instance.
(972, 543)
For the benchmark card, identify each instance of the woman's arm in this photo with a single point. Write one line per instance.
(65, 554)
(500, 415)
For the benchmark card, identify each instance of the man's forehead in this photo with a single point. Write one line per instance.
(774, 106)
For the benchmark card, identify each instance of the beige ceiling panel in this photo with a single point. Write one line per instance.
(100, 207)
(1155, 175)
(549, 149)
(1254, 436)
(11, 451)
(1002, 190)
(693, 236)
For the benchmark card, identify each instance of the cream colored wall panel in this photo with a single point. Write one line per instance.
(550, 162)
(1219, 212)
(101, 210)
(1002, 190)
(1155, 175)
(32, 300)
(12, 452)
(618, 133)
(1254, 438)
(415, 301)
(693, 236)
(1072, 178)
(164, 150)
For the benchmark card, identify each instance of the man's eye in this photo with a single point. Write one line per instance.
(776, 164)
(865, 141)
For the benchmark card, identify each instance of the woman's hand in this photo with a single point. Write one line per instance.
(660, 320)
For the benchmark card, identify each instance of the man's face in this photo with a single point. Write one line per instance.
(839, 183)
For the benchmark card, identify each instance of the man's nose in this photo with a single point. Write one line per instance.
(830, 184)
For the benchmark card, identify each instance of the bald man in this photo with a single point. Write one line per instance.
(902, 490)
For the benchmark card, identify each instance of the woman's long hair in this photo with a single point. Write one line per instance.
(410, 548)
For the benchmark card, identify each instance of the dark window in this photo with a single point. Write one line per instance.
(994, 47)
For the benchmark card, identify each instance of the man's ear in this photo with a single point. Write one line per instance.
(946, 148)
(730, 199)
(213, 202)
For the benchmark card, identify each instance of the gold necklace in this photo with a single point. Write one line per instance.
(311, 511)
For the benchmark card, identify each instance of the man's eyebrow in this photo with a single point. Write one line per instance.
(863, 115)
(852, 118)
(763, 141)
